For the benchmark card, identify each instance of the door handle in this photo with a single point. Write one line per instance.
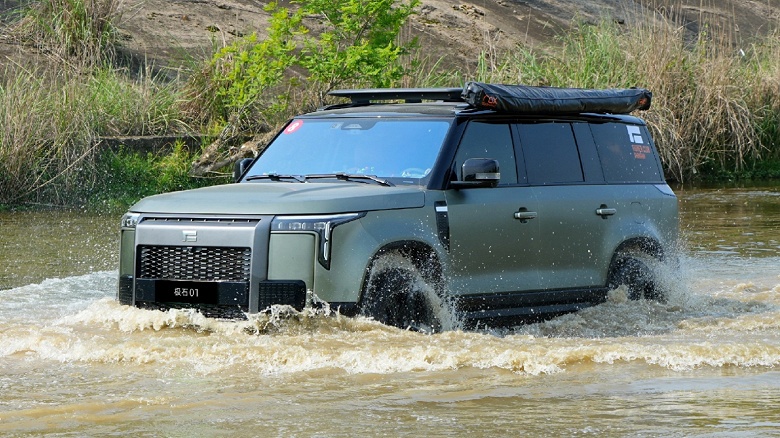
(603, 211)
(523, 215)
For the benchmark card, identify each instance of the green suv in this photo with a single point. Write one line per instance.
(420, 207)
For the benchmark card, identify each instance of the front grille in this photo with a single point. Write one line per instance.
(194, 263)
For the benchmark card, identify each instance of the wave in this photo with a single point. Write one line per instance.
(77, 320)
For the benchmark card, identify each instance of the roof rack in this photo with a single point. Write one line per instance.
(510, 99)
(408, 95)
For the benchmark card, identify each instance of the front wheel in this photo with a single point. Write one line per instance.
(636, 273)
(399, 296)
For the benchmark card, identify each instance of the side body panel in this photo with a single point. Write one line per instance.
(491, 249)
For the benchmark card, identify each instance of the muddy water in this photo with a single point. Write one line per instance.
(707, 363)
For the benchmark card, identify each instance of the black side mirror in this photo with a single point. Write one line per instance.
(240, 167)
(478, 172)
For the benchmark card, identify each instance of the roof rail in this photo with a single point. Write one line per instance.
(408, 95)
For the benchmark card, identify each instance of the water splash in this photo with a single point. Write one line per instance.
(706, 322)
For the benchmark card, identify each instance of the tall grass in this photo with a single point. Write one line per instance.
(73, 30)
(715, 107)
(50, 124)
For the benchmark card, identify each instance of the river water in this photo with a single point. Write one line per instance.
(707, 363)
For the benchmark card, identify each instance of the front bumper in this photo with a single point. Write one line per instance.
(219, 265)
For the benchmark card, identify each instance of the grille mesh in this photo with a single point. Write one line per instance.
(194, 263)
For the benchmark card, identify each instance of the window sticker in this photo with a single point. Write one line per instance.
(635, 135)
(294, 126)
(640, 151)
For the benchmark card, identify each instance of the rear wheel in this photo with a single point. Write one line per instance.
(399, 296)
(636, 273)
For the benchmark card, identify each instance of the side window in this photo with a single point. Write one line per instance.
(489, 140)
(550, 152)
(626, 153)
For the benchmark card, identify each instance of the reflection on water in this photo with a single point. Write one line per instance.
(49, 244)
(705, 363)
(742, 221)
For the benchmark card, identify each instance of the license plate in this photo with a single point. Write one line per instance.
(187, 292)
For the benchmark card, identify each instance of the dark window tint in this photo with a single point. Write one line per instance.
(489, 140)
(626, 153)
(550, 153)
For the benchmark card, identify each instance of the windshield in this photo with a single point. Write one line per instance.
(402, 150)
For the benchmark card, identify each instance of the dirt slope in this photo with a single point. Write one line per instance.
(167, 32)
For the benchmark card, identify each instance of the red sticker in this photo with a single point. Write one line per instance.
(294, 126)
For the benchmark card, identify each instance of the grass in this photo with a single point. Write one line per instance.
(75, 31)
(51, 123)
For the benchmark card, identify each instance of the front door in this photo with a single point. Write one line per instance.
(494, 241)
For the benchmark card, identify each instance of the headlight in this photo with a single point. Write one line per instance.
(321, 225)
(130, 220)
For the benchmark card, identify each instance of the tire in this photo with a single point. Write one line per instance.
(396, 296)
(636, 273)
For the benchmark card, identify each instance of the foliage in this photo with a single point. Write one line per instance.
(358, 45)
(248, 67)
(319, 46)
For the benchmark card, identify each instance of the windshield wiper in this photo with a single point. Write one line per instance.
(351, 177)
(277, 177)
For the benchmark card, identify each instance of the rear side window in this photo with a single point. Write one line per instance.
(551, 155)
(626, 153)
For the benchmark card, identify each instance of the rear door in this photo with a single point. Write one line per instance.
(574, 209)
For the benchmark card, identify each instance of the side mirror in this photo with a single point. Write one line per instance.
(478, 172)
(240, 167)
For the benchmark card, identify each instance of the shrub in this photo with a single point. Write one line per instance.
(250, 83)
(125, 176)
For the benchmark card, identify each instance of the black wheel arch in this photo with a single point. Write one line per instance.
(629, 256)
(639, 245)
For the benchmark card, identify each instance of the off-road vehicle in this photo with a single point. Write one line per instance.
(407, 205)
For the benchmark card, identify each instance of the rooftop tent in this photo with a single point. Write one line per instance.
(525, 99)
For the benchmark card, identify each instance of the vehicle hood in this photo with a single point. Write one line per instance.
(283, 198)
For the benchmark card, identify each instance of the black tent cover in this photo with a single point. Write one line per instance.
(524, 99)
